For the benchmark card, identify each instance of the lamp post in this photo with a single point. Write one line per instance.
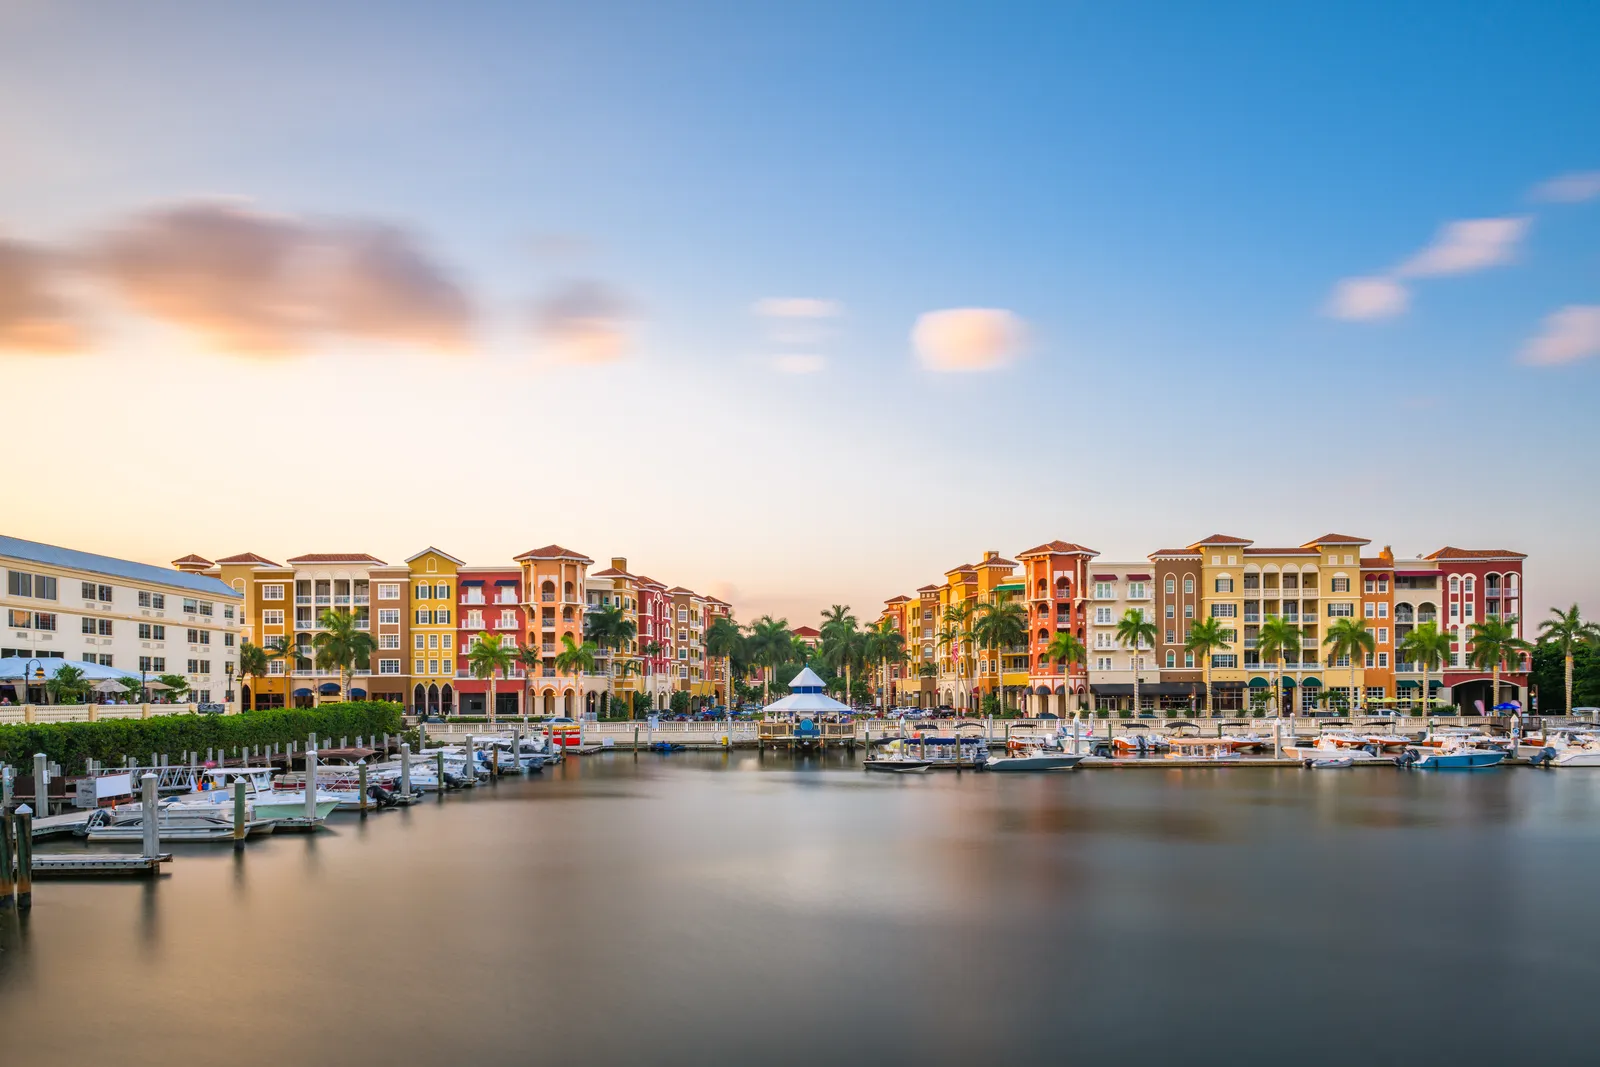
(38, 677)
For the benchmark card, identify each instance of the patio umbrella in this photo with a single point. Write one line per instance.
(110, 685)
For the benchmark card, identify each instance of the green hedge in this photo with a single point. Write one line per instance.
(71, 744)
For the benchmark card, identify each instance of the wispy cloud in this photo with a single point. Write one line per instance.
(797, 307)
(33, 316)
(1572, 188)
(584, 322)
(1569, 335)
(796, 363)
(259, 284)
(1467, 245)
(1367, 298)
(967, 339)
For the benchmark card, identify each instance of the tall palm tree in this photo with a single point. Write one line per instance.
(1429, 646)
(1350, 637)
(1135, 629)
(610, 629)
(1065, 648)
(1274, 641)
(284, 648)
(957, 631)
(252, 665)
(1494, 642)
(530, 659)
(885, 644)
(724, 639)
(575, 659)
(340, 646)
(177, 686)
(997, 625)
(486, 656)
(770, 644)
(67, 685)
(1205, 636)
(1567, 631)
(843, 645)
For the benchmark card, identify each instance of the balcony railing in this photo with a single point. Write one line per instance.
(506, 598)
(1252, 616)
(299, 599)
(547, 598)
(343, 600)
(361, 599)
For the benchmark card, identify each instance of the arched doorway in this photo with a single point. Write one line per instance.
(447, 699)
(419, 700)
(567, 704)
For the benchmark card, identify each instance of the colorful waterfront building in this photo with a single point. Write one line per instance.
(1178, 577)
(491, 602)
(1055, 576)
(1114, 590)
(655, 641)
(1480, 585)
(432, 581)
(553, 582)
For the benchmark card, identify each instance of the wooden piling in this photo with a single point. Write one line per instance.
(405, 768)
(41, 789)
(8, 874)
(362, 772)
(438, 760)
(24, 876)
(5, 789)
(150, 817)
(240, 828)
(311, 788)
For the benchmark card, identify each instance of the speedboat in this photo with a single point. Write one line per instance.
(1335, 763)
(175, 821)
(897, 763)
(1460, 758)
(1328, 748)
(1579, 755)
(284, 805)
(1034, 760)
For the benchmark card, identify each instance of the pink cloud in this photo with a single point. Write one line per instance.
(1569, 188)
(967, 339)
(1467, 245)
(33, 316)
(1367, 298)
(1569, 335)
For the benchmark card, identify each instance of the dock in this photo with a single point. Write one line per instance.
(47, 865)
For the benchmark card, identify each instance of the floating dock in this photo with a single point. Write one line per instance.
(47, 865)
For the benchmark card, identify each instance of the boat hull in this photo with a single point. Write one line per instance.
(1474, 760)
(1043, 762)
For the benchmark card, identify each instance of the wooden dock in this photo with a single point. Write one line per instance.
(48, 865)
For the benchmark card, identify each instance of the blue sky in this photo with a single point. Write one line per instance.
(1163, 198)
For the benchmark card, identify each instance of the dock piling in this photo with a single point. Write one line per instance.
(240, 828)
(516, 752)
(5, 788)
(311, 788)
(405, 768)
(8, 876)
(41, 789)
(438, 761)
(24, 876)
(362, 772)
(150, 817)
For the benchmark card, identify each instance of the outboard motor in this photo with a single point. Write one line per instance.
(1407, 758)
(1144, 745)
(1543, 758)
(1371, 750)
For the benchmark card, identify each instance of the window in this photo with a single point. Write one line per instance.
(389, 641)
(1224, 611)
(1383, 610)
(1455, 584)
(433, 666)
(191, 605)
(1340, 585)
(88, 626)
(1136, 591)
(272, 617)
(424, 617)
(1455, 609)
(1471, 582)
(1383, 635)
(1371, 585)
(1370, 610)
(19, 584)
(194, 666)
(272, 592)
(1368, 663)
(158, 601)
(425, 591)
(144, 631)
(1188, 611)
(20, 619)
(388, 666)
(1172, 636)
(144, 599)
(1171, 610)
(145, 665)
(418, 641)
(1224, 660)
(1383, 659)
(159, 664)
(227, 640)
(433, 640)
(1102, 590)
(1172, 658)
(227, 612)
(1102, 616)
(1171, 586)
(205, 666)
(444, 642)
(1188, 585)
(389, 616)
(1468, 609)
(1188, 659)
(88, 590)
(1345, 610)
(102, 593)
(441, 617)
(43, 621)
(421, 667)
(441, 592)
(1224, 585)
(1102, 663)
(390, 591)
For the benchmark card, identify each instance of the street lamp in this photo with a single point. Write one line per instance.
(38, 677)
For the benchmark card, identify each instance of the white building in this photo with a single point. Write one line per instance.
(60, 603)
(1114, 589)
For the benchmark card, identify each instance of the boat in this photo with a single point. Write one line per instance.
(897, 763)
(285, 805)
(1460, 758)
(1034, 760)
(1329, 748)
(1578, 755)
(1334, 763)
(664, 746)
(1210, 749)
(175, 820)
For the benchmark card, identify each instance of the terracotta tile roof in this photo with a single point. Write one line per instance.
(996, 561)
(651, 582)
(1186, 552)
(191, 558)
(554, 552)
(1221, 539)
(1059, 548)
(610, 572)
(1475, 553)
(902, 599)
(798, 631)
(335, 557)
(1254, 551)
(1377, 562)
(1339, 539)
(682, 591)
(965, 568)
(248, 557)
(929, 588)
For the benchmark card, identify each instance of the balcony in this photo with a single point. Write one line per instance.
(547, 649)
(506, 624)
(547, 624)
(342, 600)
(298, 599)
(506, 598)
(361, 600)
(322, 600)
(1252, 616)
(547, 598)
(472, 598)
(1309, 642)
(1427, 616)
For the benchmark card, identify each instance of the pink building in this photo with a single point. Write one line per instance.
(491, 602)
(1478, 585)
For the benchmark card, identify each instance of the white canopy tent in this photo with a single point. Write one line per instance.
(806, 698)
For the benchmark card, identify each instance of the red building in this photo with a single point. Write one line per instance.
(1478, 585)
(655, 641)
(491, 603)
(1055, 577)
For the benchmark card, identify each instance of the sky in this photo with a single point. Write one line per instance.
(801, 304)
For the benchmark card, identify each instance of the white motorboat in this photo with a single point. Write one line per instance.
(1332, 763)
(176, 821)
(1034, 760)
(288, 806)
(1581, 755)
(897, 763)
(1328, 747)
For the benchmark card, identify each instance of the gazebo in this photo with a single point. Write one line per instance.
(806, 698)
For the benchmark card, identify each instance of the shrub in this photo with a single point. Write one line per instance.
(110, 741)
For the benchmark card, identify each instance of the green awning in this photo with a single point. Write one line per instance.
(1310, 682)
(1260, 683)
(1407, 683)
(1434, 683)
(1288, 682)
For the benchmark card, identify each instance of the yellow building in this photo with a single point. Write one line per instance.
(432, 612)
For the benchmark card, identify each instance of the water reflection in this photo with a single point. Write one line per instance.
(739, 908)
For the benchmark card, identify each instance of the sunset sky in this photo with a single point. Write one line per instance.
(801, 304)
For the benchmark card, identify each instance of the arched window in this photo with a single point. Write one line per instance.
(1172, 658)
(1471, 582)
(1455, 584)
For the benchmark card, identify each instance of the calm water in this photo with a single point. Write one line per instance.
(710, 908)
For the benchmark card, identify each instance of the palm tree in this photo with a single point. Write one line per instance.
(610, 629)
(177, 686)
(843, 644)
(1429, 646)
(958, 631)
(885, 643)
(1133, 631)
(1494, 641)
(530, 659)
(770, 644)
(487, 655)
(1205, 636)
(341, 645)
(575, 658)
(1000, 624)
(1065, 648)
(67, 685)
(286, 650)
(723, 638)
(1274, 641)
(1567, 631)
(252, 665)
(1350, 637)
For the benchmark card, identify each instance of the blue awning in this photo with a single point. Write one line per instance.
(328, 688)
(505, 581)
(358, 694)
(472, 581)
(302, 692)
